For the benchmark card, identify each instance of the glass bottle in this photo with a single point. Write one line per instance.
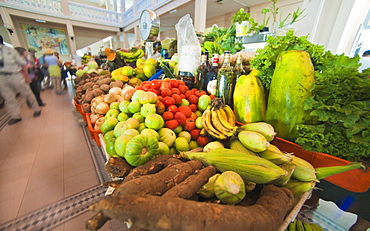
(211, 77)
(226, 81)
(201, 73)
(238, 68)
(207, 62)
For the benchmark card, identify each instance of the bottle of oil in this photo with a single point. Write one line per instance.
(211, 77)
(201, 73)
(226, 81)
(238, 68)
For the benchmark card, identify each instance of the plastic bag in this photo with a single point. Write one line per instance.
(188, 46)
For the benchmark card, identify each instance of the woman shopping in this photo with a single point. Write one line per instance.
(54, 69)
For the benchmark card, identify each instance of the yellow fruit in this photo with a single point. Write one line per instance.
(151, 61)
(140, 63)
(123, 78)
(139, 73)
(149, 70)
(127, 70)
(116, 72)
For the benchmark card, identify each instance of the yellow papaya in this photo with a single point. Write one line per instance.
(249, 99)
(290, 87)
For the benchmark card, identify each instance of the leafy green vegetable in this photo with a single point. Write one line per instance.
(341, 102)
(265, 60)
(225, 37)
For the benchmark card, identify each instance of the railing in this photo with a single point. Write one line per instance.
(128, 15)
(50, 6)
(142, 5)
(95, 14)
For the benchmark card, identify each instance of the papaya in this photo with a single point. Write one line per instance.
(290, 87)
(249, 99)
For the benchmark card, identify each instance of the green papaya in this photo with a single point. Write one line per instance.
(249, 99)
(290, 87)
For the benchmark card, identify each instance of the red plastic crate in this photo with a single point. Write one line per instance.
(356, 180)
(93, 133)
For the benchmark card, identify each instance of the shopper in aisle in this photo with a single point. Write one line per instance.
(31, 71)
(54, 70)
(12, 81)
(365, 61)
(32, 57)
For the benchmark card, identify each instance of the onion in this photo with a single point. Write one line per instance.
(119, 98)
(126, 88)
(94, 118)
(98, 123)
(115, 90)
(102, 108)
(110, 98)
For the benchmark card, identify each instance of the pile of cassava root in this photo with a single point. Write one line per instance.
(162, 195)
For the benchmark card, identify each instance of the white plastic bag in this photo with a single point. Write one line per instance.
(188, 46)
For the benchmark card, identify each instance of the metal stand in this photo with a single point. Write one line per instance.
(149, 49)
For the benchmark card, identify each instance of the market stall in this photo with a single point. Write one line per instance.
(224, 133)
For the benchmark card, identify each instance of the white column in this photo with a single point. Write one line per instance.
(200, 15)
(9, 25)
(137, 33)
(71, 38)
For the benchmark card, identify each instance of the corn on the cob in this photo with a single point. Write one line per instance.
(283, 180)
(254, 141)
(235, 144)
(207, 190)
(299, 187)
(324, 172)
(304, 171)
(267, 130)
(249, 167)
(273, 154)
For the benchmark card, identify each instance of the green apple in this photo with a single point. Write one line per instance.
(134, 107)
(108, 124)
(199, 122)
(198, 113)
(131, 132)
(132, 123)
(154, 121)
(137, 95)
(120, 144)
(163, 149)
(185, 134)
(150, 132)
(182, 144)
(178, 129)
(193, 144)
(111, 113)
(109, 146)
(184, 102)
(107, 136)
(122, 116)
(120, 128)
(139, 117)
(167, 136)
(123, 106)
(114, 105)
(148, 109)
(141, 127)
(203, 102)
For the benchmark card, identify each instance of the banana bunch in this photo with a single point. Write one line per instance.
(219, 120)
(298, 225)
(212, 48)
(131, 56)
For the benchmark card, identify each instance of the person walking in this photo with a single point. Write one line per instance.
(12, 81)
(31, 71)
(55, 72)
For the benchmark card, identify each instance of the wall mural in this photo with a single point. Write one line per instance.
(42, 38)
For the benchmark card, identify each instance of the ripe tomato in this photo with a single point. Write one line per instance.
(173, 109)
(156, 83)
(168, 101)
(189, 124)
(182, 88)
(175, 91)
(165, 85)
(202, 140)
(160, 108)
(193, 107)
(174, 83)
(188, 93)
(166, 92)
(156, 91)
(181, 82)
(167, 115)
(146, 86)
(199, 93)
(178, 99)
(193, 99)
(171, 124)
(185, 110)
(195, 134)
(138, 88)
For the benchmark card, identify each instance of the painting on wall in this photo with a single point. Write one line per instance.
(42, 38)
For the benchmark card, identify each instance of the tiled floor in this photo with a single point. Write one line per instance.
(51, 171)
